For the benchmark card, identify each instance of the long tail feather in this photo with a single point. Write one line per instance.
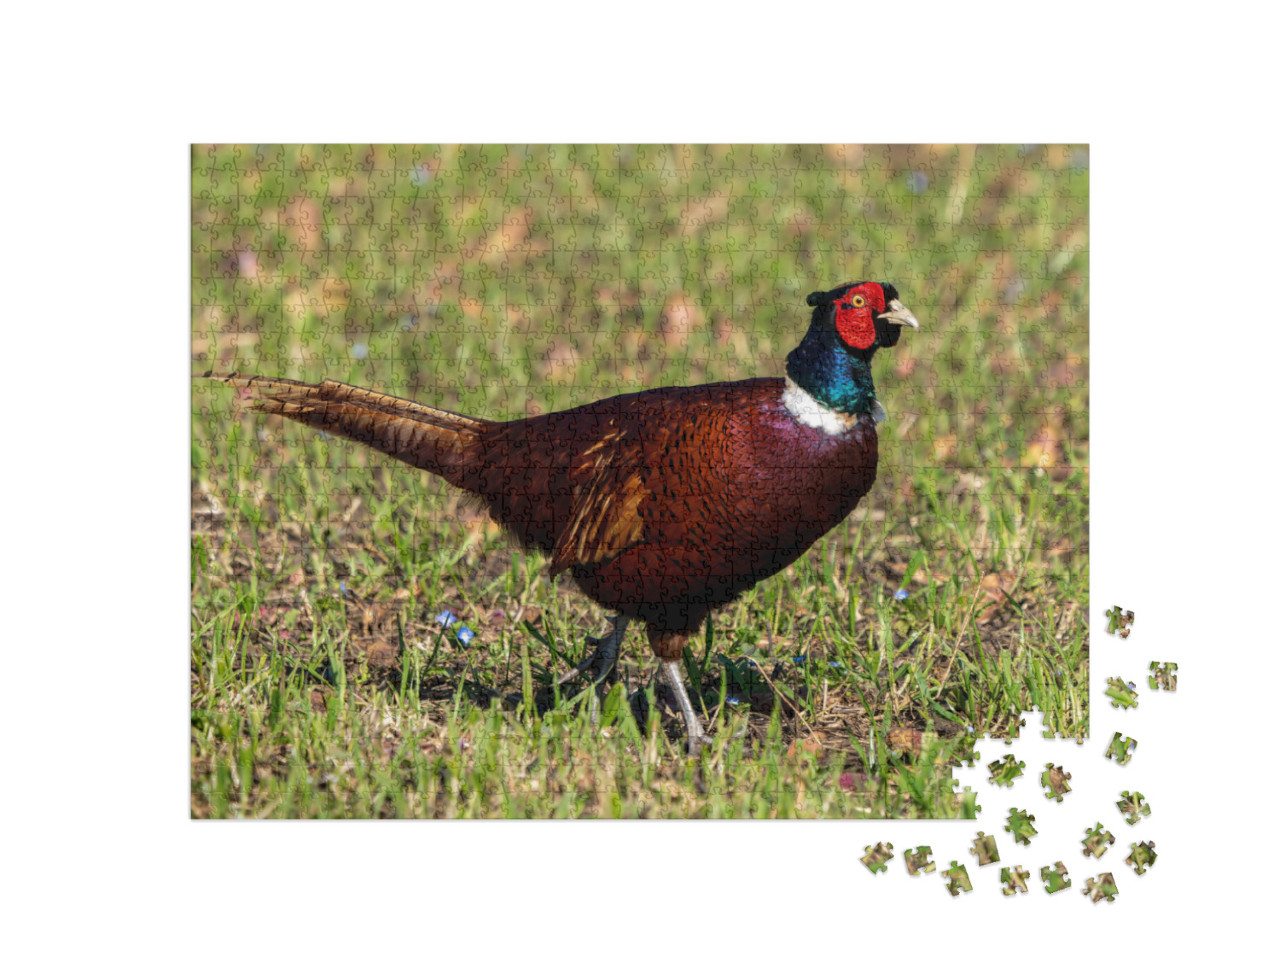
(439, 441)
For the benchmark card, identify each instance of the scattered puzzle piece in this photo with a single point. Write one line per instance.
(1117, 619)
(1006, 770)
(1121, 748)
(1104, 887)
(1121, 693)
(1133, 806)
(1055, 781)
(957, 878)
(1096, 841)
(1021, 825)
(984, 847)
(919, 860)
(1054, 879)
(1142, 856)
(877, 857)
(1015, 880)
(1163, 676)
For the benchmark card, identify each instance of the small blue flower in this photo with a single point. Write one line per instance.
(800, 659)
(342, 585)
(901, 594)
(465, 635)
(731, 700)
(446, 618)
(835, 665)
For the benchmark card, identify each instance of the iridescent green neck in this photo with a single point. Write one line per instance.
(835, 374)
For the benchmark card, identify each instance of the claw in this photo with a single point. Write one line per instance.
(604, 650)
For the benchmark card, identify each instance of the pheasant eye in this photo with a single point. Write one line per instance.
(858, 301)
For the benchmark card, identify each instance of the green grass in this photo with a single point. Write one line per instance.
(501, 282)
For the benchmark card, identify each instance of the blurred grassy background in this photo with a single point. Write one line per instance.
(505, 281)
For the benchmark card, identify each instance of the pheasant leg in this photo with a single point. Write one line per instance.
(604, 652)
(693, 728)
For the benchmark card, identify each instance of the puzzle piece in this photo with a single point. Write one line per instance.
(957, 878)
(1055, 879)
(878, 856)
(1121, 693)
(984, 847)
(1015, 880)
(919, 860)
(1015, 729)
(1005, 771)
(1121, 748)
(1142, 856)
(1055, 781)
(1119, 619)
(1096, 841)
(969, 807)
(1104, 887)
(1163, 676)
(1133, 806)
(1021, 825)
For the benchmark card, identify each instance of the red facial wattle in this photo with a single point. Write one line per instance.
(856, 321)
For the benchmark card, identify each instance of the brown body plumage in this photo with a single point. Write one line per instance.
(662, 505)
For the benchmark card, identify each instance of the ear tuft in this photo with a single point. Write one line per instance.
(816, 298)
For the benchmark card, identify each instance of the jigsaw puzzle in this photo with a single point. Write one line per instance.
(919, 860)
(1121, 748)
(1096, 841)
(1164, 675)
(1014, 880)
(1054, 878)
(1121, 619)
(1133, 806)
(1054, 780)
(984, 847)
(1021, 826)
(1142, 856)
(957, 879)
(1103, 887)
(1005, 771)
(878, 856)
(533, 470)
(1096, 775)
(1123, 695)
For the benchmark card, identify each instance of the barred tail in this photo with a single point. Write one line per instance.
(438, 441)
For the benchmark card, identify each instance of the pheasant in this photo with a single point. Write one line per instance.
(662, 505)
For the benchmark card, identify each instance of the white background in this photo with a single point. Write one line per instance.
(101, 106)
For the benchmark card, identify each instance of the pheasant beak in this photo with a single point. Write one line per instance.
(899, 314)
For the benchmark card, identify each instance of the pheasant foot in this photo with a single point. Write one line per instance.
(604, 653)
(693, 728)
